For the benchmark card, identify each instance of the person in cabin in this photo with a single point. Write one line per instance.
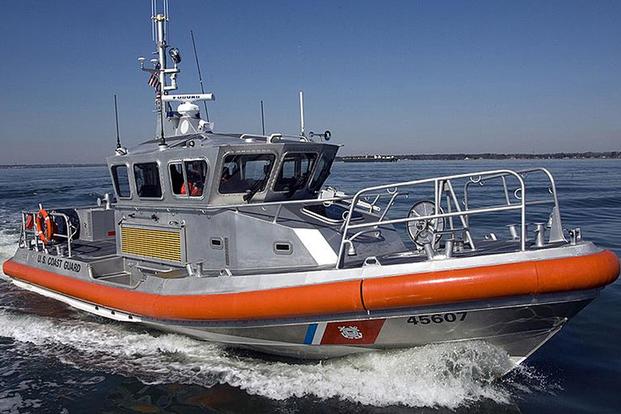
(196, 190)
(195, 182)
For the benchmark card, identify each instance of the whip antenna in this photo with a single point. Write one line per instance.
(116, 118)
(200, 77)
(302, 132)
(262, 118)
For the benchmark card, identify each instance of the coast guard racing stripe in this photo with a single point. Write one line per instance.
(343, 333)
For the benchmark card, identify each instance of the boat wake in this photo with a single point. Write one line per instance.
(448, 375)
(8, 244)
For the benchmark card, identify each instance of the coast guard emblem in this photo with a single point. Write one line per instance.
(350, 332)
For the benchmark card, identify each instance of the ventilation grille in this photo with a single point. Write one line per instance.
(153, 243)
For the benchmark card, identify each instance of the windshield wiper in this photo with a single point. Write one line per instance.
(255, 189)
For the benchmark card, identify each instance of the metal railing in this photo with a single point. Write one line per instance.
(442, 186)
(38, 244)
(556, 227)
(279, 137)
(276, 137)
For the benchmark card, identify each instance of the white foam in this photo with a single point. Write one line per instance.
(448, 375)
(8, 246)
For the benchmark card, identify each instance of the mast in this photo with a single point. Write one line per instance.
(160, 20)
(185, 118)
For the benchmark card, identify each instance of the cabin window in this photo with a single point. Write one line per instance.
(242, 173)
(321, 173)
(188, 178)
(120, 177)
(294, 171)
(147, 177)
(177, 181)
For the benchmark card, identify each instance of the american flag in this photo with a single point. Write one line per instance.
(154, 79)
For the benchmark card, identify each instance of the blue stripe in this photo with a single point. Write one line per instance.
(310, 333)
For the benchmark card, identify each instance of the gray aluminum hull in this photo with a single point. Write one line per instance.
(519, 326)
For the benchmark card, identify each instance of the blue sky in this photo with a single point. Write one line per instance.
(384, 76)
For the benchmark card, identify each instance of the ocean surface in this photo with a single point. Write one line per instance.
(54, 359)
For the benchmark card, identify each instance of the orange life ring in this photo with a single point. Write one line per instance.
(45, 226)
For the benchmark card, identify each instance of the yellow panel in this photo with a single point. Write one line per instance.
(155, 243)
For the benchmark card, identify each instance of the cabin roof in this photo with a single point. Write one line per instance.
(215, 140)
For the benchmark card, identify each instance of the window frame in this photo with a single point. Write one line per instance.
(281, 163)
(159, 174)
(330, 163)
(114, 181)
(269, 179)
(182, 161)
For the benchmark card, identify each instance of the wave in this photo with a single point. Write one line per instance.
(8, 245)
(446, 375)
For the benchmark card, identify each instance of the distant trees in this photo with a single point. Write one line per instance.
(491, 156)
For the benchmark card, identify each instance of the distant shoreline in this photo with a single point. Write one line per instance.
(486, 156)
(19, 166)
(414, 157)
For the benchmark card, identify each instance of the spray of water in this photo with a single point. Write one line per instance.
(448, 375)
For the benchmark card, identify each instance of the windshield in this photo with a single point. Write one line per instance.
(294, 171)
(321, 173)
(243, 173)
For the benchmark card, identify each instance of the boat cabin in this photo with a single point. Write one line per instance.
(221, 169)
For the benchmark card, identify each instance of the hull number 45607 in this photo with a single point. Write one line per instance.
(438, 318)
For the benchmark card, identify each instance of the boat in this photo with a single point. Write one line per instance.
(234, 238)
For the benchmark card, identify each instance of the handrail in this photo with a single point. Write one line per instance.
(70, 229)
(247, 136)
(434, 216)
(441, 184)
(275, 203)
(271, 139)
(556, 226)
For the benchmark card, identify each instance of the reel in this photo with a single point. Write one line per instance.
(427, 231)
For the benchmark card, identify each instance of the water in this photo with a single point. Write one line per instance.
(54, 359)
